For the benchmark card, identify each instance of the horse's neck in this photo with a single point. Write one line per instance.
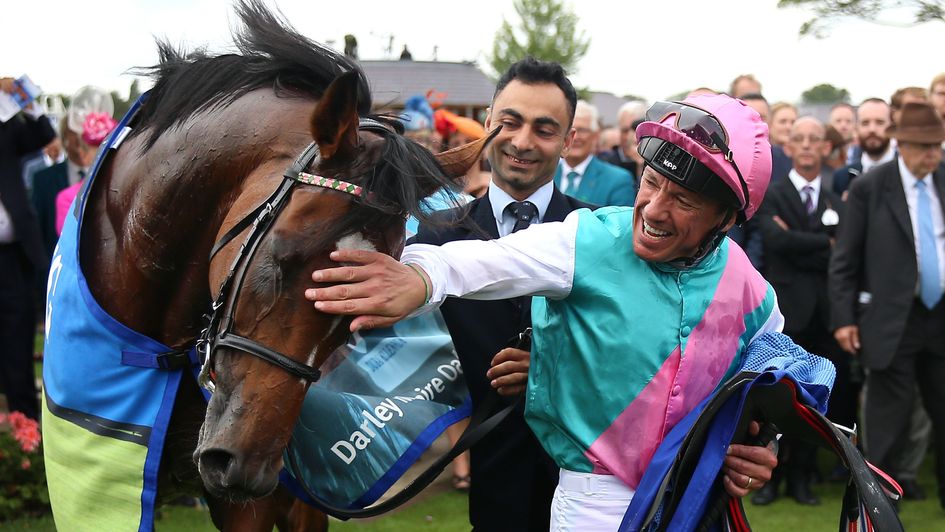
(147, 232)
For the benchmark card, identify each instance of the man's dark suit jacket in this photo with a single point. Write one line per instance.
(797, 260)
(845, 175)
(513, 479)
(18, 136)
(780, 164)
(875, 254)
(613, 156)
(46, 186)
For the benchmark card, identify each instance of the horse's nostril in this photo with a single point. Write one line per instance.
(216, 461)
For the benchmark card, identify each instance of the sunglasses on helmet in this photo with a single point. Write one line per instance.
(702, 127)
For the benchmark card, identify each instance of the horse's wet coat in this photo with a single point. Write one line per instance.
(209, 145)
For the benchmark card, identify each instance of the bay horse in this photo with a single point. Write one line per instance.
(206, 152)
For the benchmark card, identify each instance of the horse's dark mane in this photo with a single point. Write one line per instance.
(396, 188)
(271, 54)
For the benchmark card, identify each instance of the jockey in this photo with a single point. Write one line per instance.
(646, 310)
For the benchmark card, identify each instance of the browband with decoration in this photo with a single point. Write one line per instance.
(326, 182)
(297, 173)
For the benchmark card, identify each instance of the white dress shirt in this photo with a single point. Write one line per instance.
(72, 172)
(580, 168)
(868, 163)
(538, 260)
(500, 199)
(800, 182)
(909, 181)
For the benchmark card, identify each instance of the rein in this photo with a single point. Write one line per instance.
(221, 318)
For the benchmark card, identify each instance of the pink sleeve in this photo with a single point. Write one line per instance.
(63, 202)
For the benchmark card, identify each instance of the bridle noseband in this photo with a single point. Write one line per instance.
(221, 318)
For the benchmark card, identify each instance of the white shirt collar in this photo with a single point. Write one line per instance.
(908, 178)
(866, 162)
(580, 167)
(72, 172)
(500, 199)
(799, 182)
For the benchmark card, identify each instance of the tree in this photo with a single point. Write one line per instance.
(121, 104)
(547, 31)
(827, 11)
(825, 93)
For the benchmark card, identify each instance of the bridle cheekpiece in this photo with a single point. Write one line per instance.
(221, 318)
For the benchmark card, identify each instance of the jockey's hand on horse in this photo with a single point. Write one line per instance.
(509, 371)
(372, 286)
(748, 467)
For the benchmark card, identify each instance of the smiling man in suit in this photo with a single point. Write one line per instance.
(513, 479)
(798, 220)
(586, 177)
(887, 275)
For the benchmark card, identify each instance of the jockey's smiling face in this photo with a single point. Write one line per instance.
(670, 221)
(536, 132)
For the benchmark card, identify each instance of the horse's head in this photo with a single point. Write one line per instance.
(265, 339)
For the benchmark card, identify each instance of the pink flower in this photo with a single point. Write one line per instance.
(25, 464)
(25, 431)
(96, 128)
(29, 440)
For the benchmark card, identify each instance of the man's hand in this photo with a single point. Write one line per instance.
(748, 467)
(509, 371)
(848, 337)
(376, 288)
(6, 85)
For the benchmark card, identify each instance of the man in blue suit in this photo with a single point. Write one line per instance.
(50, 181)
(582, 175)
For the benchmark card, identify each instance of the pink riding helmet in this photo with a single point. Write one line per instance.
(745, 134)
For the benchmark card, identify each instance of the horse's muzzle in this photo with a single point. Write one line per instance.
(226, 476)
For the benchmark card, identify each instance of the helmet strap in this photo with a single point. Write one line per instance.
(709, 243)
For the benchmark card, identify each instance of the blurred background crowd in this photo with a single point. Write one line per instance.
(854, 296)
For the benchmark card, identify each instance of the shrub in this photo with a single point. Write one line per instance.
(23, 489)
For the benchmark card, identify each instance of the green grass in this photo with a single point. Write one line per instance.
(785, 514)
(442, 512)
(446, 512)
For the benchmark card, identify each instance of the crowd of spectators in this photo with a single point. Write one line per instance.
(850, 235)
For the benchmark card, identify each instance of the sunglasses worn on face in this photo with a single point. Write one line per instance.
(702, 127)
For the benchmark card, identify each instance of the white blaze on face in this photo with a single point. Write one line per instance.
(355, 241)
(352, 241)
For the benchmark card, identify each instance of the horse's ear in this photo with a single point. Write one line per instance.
(335, 120)
(457, 161)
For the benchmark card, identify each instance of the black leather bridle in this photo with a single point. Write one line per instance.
(221, 318)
